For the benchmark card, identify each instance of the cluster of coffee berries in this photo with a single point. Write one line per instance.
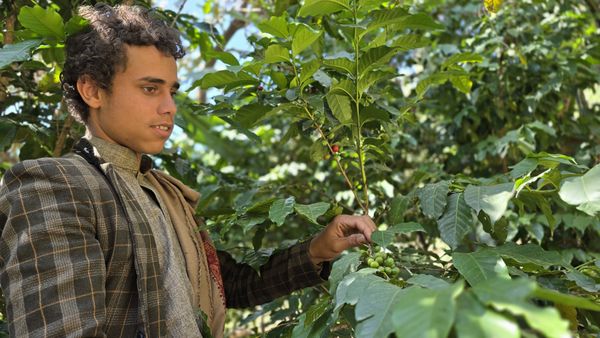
(382, 261)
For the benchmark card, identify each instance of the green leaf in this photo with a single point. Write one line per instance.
(340, 107)
(225, 78)
(312, 211)
(45, 22)
(403, 228)
(456, 221)
(410, 312)
(20, 51)
(318, 151)
(523, 168)
(410, 41)
(257, 258)
(583, 190)
(433, 198)
(475, 321)
(308, 70)
(276, 26)
(353, 286)
(493, 200)
(304, 36)
(512, 296)
(418, 21)
(583, 281)
(382, 18)
(461, 58)
(280, 209)
(528, 254)
(248, 222)
(462, 83)
(341, 267)
(277, 53)
(436, 79)
(479, 266)
(343, 65)
(323, 7)
(75, 24)
(561, 298)
(345, 87)
(373, 58)
(428, 281)
(398, 206)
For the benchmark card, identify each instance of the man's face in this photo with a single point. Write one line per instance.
(139, 110)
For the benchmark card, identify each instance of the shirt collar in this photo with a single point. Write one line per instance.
(120, 156)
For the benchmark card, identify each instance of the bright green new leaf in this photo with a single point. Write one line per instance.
(304, 36)
(462, 83)
(493, 200)
(277, 53)
(513, 295)
(75, 24)
(280, 209)
(475, 321)
(462, 58)
(276, 26)
(323, 7)
(45, 22)
(433, 198)
(582, 190)
(456, 222)
(312, 211)
(17, 52)
(225, 78)
(479, 266)
(340, 107)
(410, 312)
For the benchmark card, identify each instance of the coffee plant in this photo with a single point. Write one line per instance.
(468, 130)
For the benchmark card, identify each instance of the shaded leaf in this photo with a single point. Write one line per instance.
(433, 198)
(479, 266)
(17, 52)
(456, 221)
(528, 254)
(475, 321)
(428, 281)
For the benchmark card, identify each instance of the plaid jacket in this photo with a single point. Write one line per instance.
(77, 260)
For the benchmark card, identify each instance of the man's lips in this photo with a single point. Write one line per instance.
(163, 130)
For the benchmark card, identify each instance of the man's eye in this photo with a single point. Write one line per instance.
(173, 93)
(150, 90)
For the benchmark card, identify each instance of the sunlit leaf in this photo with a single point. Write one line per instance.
(304, 36)
(277, 53)
(45, 22)
(276, 26)
(280, 209)
(582, 190)
(322, 7)
(433, 198)
(312, 211)
(493, 200)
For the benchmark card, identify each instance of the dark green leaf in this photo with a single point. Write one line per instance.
(493, 200)
(433, 198)
(17, 52)
(280, 209)
(45, 22)
(479, 266)
(311, 211)
(456, 222)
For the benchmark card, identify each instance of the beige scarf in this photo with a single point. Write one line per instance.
(201, 261)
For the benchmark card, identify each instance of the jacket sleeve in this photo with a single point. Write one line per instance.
(52, 269)
(286, 271)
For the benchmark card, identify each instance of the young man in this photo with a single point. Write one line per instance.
(98, 244)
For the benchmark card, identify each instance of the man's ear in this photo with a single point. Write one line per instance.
(89, 91)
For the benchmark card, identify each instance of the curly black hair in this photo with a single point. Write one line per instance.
(98, 50)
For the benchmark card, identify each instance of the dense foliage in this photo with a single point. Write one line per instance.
(469, 130)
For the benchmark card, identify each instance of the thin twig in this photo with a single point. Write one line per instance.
(178, 13)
